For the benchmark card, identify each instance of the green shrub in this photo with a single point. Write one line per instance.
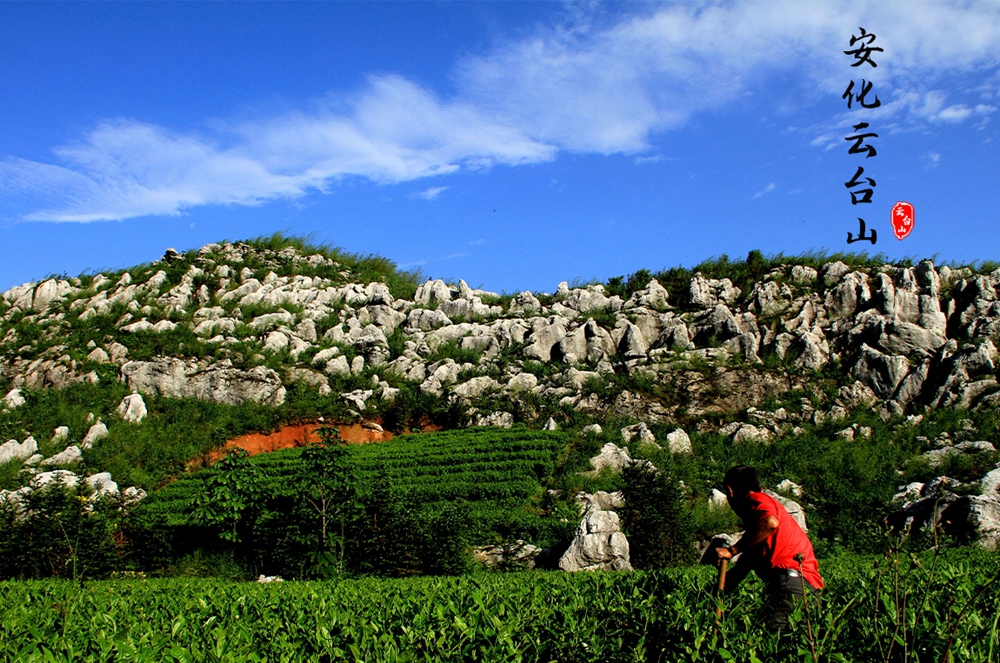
(656, 518)
(453, 350)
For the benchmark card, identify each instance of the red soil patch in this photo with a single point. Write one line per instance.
(295, 435)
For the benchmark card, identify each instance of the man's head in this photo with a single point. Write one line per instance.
(739, 481)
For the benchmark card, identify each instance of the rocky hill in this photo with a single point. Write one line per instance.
(751, 351)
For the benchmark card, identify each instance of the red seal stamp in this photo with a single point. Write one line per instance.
(902, 219)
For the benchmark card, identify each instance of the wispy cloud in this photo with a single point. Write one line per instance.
(768, 189)
(431, 193)
(584, 86)
(396, 132)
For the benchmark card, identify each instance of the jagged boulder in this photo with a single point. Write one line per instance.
(718, 324)
(599, 501)
(94, 433)
(717, 499)
(220, 382)
(475, 387)
(14, 450)
(512, 555)
(68, 456)
(494, 420)
(856, 395)
(544, 335)
(707, 293)
(883, 373)
(751, 433)
(433, 291)
(588, 342)
(678, 442)
(935, 505)
(522, 382)
(611, 457)
(358, 398)
(427, 319)
(832, 272)
(769, 298)
(132, 409)
(654, 296)
(640, 432)
(793, 508)
(13, 399)
(525, 303)
(598, 545)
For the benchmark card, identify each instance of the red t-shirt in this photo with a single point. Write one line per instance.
(779, 549)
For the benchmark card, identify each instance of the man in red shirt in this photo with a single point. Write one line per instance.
(773, 546)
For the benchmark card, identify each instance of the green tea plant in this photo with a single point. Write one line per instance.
(655, 616)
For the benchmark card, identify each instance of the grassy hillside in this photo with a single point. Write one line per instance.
(839, 373)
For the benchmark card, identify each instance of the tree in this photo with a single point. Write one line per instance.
(60, 531)
(232, 497)
(658, 524)
(326, 482)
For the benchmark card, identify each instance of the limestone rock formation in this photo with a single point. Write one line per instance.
(14, 450)
(96, 432)
(611, 457)
(132, 408)
(936, 505)
(513, 555)
(13, 399)
(68, 456)
(598, 545)
(175, 378)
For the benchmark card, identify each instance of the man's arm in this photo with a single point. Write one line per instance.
(765, 527)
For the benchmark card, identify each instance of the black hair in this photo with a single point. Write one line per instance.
(742, 479)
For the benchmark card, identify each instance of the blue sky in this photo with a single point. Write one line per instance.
(512, 144)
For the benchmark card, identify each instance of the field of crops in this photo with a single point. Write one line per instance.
(487, 467)
(898, 609)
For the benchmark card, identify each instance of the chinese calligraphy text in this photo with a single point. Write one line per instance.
(861, 187)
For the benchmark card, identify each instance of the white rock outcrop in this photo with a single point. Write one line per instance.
(14, 450)
(678, 442)
(598, 545)
(68, 456)
(13, 399)
(220, 382)
(94, 433)
(611, 457)
(132, 408)
(639, 432)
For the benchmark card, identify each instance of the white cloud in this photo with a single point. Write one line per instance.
(395, 132)
(431, 193)
(955, 113)
(931, 159)
(768, 189)
(590, 86)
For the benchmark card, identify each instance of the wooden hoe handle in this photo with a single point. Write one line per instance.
(723, 565)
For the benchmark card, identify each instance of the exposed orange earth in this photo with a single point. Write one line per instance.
(298, 435)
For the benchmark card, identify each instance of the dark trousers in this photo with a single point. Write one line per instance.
(782, 593)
